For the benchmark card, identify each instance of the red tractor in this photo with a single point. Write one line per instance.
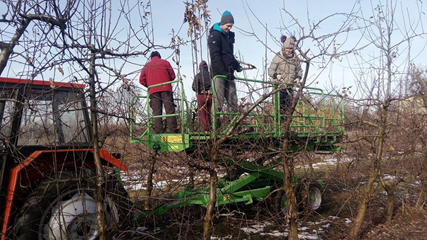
(47, 178)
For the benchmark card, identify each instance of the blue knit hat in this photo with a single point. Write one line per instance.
(226, 18)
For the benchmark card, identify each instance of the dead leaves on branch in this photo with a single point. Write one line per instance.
(194, 19)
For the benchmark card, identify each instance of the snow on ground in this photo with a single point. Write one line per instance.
(328, 161)
(306, 230)
(133, 180)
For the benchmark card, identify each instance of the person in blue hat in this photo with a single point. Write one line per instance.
(223, 62)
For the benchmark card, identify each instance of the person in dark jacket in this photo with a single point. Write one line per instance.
(202, 86)
(159, 71)
(223, 62)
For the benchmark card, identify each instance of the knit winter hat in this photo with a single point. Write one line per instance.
(226, 18)
(155, 54)
(289, 43)
(202, 65)
(283, 39)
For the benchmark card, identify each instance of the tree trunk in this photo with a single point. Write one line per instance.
(389, 208)
(147, 204)
(191, 183)
(421, 200)
(100, 180)
(288, 169)
(207, 225)
(363, 206)
(292, 217)
(6, 51)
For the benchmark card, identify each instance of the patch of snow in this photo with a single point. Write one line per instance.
(326, 225)
(303, 228)
(135, 187)
(250, 230)
(388, 177)
(275, 233)
(383, 193)
(221, 238)
(308, 236)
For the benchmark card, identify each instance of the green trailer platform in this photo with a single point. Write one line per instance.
(317, 125)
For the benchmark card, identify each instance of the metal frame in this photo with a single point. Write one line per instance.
(319, 128)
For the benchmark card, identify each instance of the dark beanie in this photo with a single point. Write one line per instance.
(226, 18)
(155, 54)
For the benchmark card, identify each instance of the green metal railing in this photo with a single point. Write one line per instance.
(318, 120)
(318, 116)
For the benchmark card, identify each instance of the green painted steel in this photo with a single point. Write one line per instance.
(318, 119)
(317, 125)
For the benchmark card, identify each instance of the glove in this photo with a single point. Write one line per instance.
(239, 68)
(277, 82)
(297, 80)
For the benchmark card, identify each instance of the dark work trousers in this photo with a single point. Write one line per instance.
(225, 90)
(286, 97)
(157, 101)
(204, 102)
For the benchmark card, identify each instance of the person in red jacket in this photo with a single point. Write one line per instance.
(159, 71)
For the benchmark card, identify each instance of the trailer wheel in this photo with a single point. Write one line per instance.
(66, 209)
(277, 203)
(310, 195)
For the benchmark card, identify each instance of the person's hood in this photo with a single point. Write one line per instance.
(217, 27)
(203, 64)
(282, 53)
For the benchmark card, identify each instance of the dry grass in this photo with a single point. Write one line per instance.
(344, 179)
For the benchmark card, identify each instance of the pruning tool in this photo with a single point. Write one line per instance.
(246, 66)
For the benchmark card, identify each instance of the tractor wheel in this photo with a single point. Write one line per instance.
(310, 195)
(65, 208)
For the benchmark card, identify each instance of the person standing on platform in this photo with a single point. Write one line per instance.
(159, 71)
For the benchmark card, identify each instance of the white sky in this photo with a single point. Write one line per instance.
(251, 16)
(257, 46)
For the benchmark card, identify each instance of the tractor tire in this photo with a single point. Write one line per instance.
(65, 208)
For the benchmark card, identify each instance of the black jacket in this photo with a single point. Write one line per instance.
(223, 61)
(202, 81)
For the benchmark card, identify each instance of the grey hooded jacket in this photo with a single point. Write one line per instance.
(288, 67)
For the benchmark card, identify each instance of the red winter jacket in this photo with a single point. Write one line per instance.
(155, 72)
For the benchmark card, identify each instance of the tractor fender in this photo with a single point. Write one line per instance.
(40, 163)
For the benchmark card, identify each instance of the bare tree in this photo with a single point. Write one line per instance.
(95, 46)
(64, 33)
(47, 20)
(379, 81)
(419, 80)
